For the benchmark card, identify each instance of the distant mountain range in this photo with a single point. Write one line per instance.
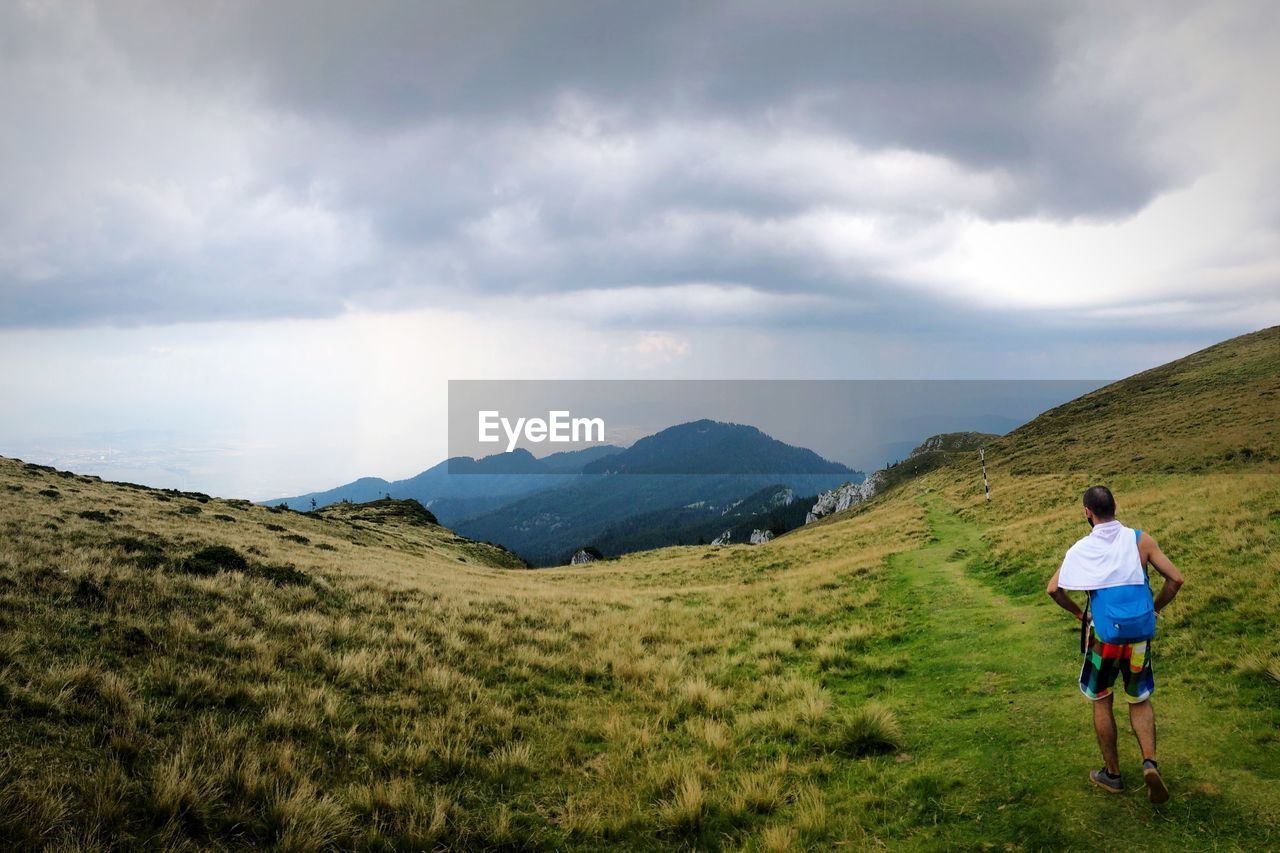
(703, 462)
(661, 489)
(461, 486)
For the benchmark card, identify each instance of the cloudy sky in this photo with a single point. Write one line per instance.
(243, 246)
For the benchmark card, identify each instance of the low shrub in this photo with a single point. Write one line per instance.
(147, 553)
(89, 593)
(223, 558)
(282, 575)
(211, 560)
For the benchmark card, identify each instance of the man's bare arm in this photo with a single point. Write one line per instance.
(1150, 550)
(1059, 595)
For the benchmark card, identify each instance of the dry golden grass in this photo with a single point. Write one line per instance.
(401, 687)
(412, 688)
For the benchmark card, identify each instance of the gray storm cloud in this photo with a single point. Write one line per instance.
(167, 162)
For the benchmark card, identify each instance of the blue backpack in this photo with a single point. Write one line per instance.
(1124, 614)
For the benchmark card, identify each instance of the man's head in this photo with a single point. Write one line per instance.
(1099, 505)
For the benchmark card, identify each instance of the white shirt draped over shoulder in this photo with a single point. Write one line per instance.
(1107, 557)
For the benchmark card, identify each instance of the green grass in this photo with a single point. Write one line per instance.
(992, 690)
(892, 676)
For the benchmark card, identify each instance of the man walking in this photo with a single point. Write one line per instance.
(1110, 563)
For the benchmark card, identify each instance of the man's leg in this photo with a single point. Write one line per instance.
(1104, 723)
(1143, 719)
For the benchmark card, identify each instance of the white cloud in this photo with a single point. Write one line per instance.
(142, 192)
(656, 349)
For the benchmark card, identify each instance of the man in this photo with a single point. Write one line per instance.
(1096, 561)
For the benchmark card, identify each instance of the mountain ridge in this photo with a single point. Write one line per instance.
(708, 446)
(462, 485)
(659, 478)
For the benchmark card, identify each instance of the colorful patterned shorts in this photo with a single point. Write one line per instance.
(1104, 661)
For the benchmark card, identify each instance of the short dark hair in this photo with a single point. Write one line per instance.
(1100, 501)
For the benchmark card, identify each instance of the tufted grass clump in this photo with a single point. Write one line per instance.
(685, 811)
(870, 730)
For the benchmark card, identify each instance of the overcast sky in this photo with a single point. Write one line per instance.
(243, 246)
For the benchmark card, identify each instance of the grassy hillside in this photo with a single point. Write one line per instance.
(890, 676)
(935, 452)
(1212, 411)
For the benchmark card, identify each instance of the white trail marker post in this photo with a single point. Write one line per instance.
(982, 457)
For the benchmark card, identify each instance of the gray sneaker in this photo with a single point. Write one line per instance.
(1107, 782)
(1156, 791)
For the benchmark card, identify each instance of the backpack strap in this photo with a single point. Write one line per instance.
(1137, 537)
(1084, 624)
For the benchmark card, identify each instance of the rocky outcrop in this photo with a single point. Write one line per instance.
(872, 486)
(850, 494)
(930, 454)
(953, 442)
(757, 537)
(584, 555)
(834, 501)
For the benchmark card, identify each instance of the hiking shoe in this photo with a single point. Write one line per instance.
(1156, 791)
(1107, 782)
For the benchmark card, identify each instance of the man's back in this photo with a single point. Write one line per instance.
(1111, 563)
